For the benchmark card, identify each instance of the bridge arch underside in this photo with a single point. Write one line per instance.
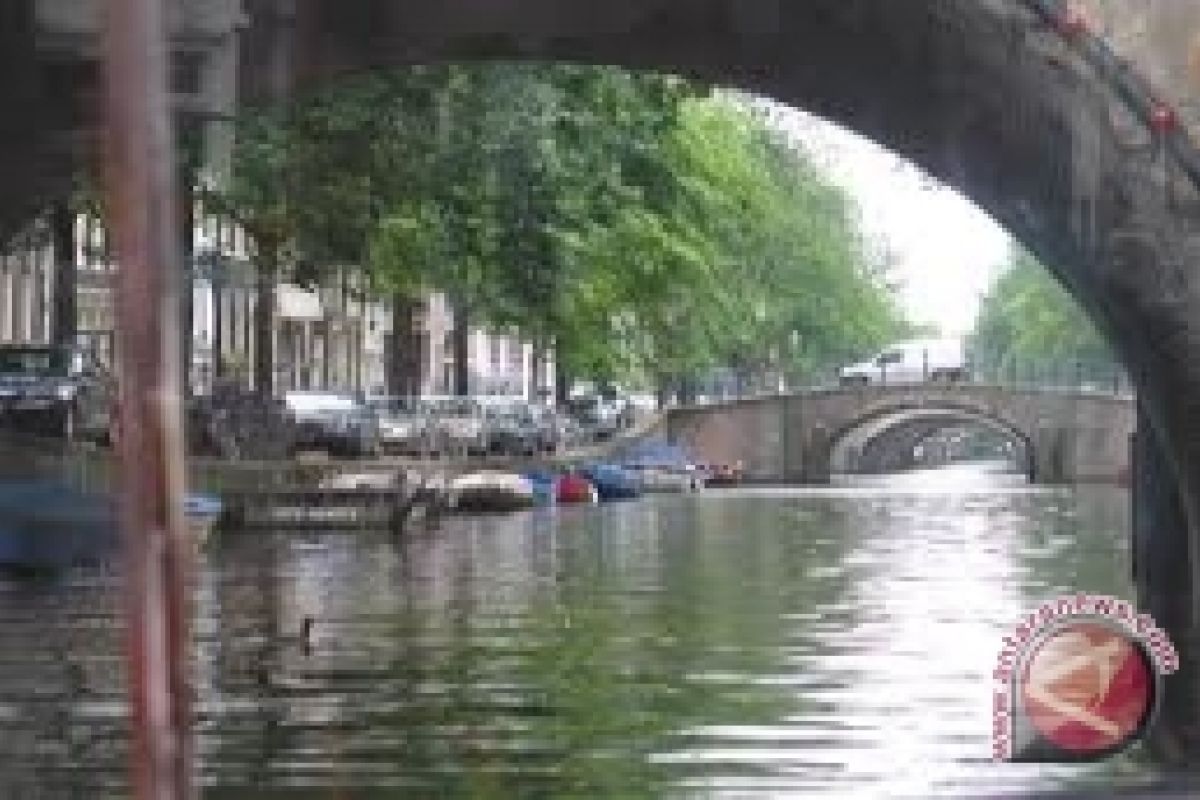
(904, 439)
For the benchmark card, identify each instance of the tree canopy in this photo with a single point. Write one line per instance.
(1029, 319)
(641, 225)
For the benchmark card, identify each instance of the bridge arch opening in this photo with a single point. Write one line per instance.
(906, 439)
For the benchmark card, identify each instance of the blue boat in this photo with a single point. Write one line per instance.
(202, 511)
(612, 482)
(543, 486)
(656, 454)
(664, 467)
(46, 525)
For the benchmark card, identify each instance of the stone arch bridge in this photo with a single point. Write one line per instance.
(805, 436)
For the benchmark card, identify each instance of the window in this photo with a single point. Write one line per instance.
(187, 70)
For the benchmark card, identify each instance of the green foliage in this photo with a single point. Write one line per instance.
(1028, 317)
(641, 225)
(778, 256)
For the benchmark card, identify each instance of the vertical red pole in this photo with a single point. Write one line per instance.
(140, 180)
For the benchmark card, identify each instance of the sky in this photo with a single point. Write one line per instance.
(947, 250)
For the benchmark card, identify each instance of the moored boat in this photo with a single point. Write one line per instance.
(203, 512)
(724, 475)
(661, 479)
(664, 467)
(543, 485)
(573, 488)
(47, 525)
(490, 491)
(612, 482)
(349, 481)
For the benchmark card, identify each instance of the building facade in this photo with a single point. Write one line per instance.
(332, 336)
(500, 363)
(26, 283)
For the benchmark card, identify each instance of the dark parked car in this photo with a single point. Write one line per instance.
(512, 430)
(338, 422)
(57, 391)
(234, 422)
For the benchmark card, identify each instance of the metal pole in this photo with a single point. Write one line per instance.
(140, 179)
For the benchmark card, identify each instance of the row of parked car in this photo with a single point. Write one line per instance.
(351, 424)
(63, 392)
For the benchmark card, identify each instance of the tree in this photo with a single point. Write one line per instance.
(302, 188)
(772, 251)
(642, 226)
(1028, 320)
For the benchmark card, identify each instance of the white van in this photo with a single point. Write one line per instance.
(940, 360)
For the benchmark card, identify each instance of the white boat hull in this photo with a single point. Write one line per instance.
(484, 491)
(662, 481)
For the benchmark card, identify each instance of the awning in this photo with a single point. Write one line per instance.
(295, 303)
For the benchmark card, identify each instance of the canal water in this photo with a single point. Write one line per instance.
(753, 642)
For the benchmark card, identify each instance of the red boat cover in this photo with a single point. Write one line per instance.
(573, 489)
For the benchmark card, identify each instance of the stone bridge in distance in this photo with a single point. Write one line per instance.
(804, 437)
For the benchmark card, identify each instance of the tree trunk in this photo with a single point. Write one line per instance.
(562, 385)
(687, 390)
(278, 59)
(393, 367)
(461, 344)
(405, 365)
(246, 368)
(535, 368)
(218, 331)
(360, 343)
(264, 323)
(345, 371)
(65, 313)
(662, 392)
(327, 349)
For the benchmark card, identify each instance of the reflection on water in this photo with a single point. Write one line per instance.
(834, 642)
